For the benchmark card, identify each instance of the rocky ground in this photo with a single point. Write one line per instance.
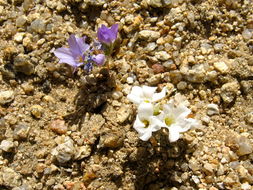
(60, 130)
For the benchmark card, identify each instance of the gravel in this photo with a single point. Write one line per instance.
(61, 129)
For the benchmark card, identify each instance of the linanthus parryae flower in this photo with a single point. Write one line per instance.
(79, 53)
(175, 117)
(145, 94)
(152, 115)
(107, 37)
(146, 123)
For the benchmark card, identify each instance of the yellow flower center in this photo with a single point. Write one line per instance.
(169, 121)
(146, 123)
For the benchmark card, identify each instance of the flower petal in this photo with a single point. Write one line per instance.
(181, 110)
(148, 91)
(74, 47)
(99, 59)
(65, 56)
(160, 95)
(136, 95)
(114, 31)
(83, 47)
(145, 110)
(174, 134)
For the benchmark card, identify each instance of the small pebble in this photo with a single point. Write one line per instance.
(58, 126)
(212, 109)
(37, 111)
(21, 131)
(149, 35)
(6, 97)
(7, 145)
(221, 67)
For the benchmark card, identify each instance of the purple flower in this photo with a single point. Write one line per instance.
(99, 59)
(74, 55)
(108, 35)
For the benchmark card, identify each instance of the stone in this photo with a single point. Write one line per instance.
(64, 152)
(22, 63)
(247, 86)
(182, 85)
(111, 140)
(10, 177)
(245, 146)
(208, 168)
(37, 111)
(123, 113)
(229, 91)
(241, 145)
(38, 26)
(162, 55)
(21, 131)
(212, 109)
(19, 37)
(247, 34)
(82, 152)
(158, 68)
(197, 74)
(7, 145)
(6, 97)
(58, 126)
(249, 117)
(153, 3)
(221, 67)
(149, 35)
(21, 21)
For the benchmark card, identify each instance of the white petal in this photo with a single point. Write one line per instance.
(144, 132)
(148, 92)
(146, 136)
(160, 95)
(181, 110)
(145, 110)
(155, 123)
(136, 95)
(173, 134)
(138, 125)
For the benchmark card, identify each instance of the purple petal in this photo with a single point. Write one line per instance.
(114, 31)
(73, 46)
(107, 35)
(65, 56)
(99, 59)
(82, 45)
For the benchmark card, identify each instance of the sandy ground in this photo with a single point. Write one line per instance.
(63, 130)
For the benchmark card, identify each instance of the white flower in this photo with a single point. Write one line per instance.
(146, 122)
(175, 118)
(145, 94)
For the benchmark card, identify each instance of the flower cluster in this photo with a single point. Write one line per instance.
(80, 53)
(153, 115)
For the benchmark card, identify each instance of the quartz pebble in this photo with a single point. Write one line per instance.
(212, 109)
(249, 117)
(149, 35)
(65, 151)
(221, 67)
(162, 55)
(6, 97)
(229, 91)
(19, 37)
(7, 145)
